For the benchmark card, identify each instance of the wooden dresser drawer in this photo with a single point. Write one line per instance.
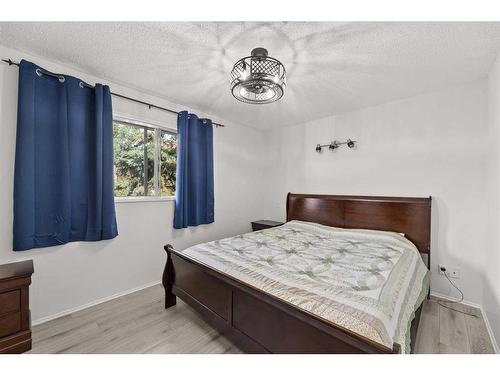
(10, 324)
(15, 325)
(10, 301)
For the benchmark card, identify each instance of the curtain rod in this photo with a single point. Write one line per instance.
(10, 62)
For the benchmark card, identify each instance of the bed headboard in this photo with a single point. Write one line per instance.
(411, 216)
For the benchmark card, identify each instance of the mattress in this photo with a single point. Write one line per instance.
(370, 282)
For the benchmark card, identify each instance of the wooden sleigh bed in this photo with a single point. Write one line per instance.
(258, 322)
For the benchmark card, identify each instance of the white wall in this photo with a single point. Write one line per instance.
(78, 273)
(434, 144)
(491, 295)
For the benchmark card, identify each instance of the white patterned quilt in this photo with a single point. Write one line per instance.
(370, 282)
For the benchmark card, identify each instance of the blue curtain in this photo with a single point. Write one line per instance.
(194, 188)
(63, 183)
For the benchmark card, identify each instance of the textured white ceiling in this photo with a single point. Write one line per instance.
(331, 67)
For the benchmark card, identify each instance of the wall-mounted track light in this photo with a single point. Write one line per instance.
(334, 144)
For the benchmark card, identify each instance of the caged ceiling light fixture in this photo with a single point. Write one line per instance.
(258, 79)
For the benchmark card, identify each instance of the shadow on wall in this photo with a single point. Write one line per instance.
(292, 51)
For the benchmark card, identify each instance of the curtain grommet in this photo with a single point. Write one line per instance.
(81, 85)
(38, 72)
(61, 79)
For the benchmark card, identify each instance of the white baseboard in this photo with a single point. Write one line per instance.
(449, 298)
(490, 332)
(93, 303)
(477, 306)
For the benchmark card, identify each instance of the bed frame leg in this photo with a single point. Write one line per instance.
(396, 348)
(168, 278)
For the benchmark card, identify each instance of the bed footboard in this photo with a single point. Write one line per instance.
(254, 320)
(167, 280)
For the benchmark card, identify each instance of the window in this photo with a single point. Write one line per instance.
(145, 160)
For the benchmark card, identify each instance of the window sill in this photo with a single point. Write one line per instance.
(143, 199)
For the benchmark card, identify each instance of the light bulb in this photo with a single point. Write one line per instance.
(333, 145)
(244, 75)
(244, 92)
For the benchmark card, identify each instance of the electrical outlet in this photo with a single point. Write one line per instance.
(451, 272)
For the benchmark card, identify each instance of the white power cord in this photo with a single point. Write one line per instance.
(460, 300)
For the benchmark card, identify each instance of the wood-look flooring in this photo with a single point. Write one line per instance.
(446, 331)
(138, 323)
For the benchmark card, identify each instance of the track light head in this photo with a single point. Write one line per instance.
(333, 145)
(350, 143)
(318, 148)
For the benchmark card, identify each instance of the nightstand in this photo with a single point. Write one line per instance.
(265, 224)
(15, 325)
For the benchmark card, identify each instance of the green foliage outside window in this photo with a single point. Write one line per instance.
(168, 142)
(134, 157)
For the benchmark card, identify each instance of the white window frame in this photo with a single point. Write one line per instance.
(157, 129)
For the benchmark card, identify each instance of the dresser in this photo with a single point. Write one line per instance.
(15, 325)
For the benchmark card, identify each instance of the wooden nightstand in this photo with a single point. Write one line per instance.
(15, 325)
(265, 224)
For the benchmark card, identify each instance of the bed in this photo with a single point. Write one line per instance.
(345, 274)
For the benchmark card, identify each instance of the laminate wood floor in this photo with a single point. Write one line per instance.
(448, 331)
(138, 323)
